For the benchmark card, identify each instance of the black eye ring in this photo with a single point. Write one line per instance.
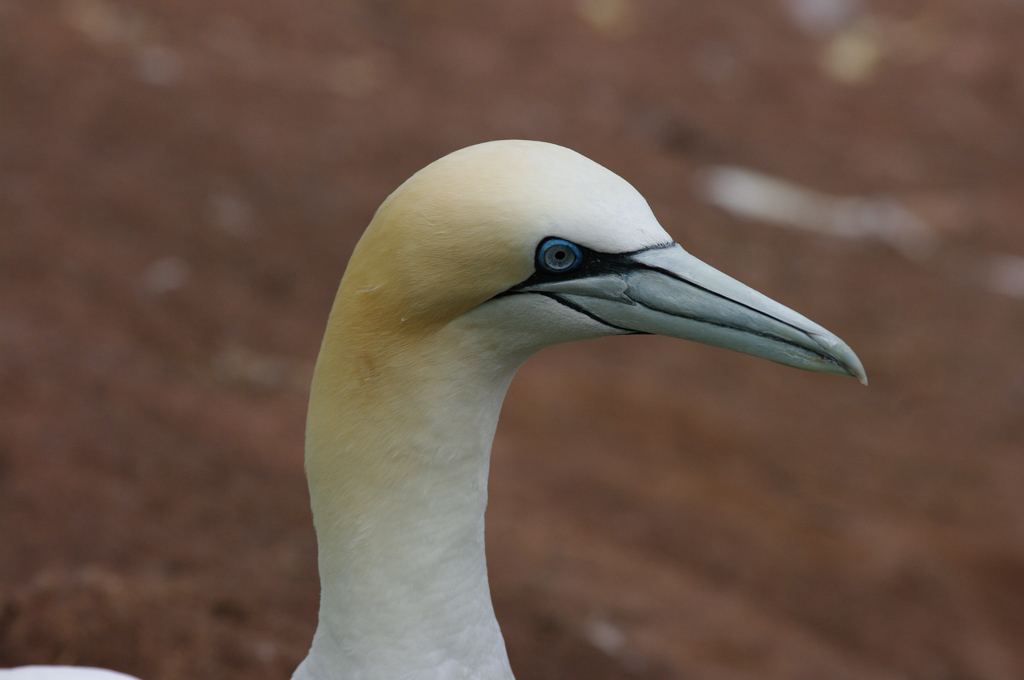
(558, 255)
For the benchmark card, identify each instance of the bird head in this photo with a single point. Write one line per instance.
(536, 244)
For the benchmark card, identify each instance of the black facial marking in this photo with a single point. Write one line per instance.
(586, 312)
(593, 263)
(596, 263)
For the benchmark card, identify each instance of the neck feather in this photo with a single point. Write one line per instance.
(398, 446)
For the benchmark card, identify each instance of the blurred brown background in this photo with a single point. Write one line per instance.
(182, 183)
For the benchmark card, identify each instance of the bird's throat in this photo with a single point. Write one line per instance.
(397, 456)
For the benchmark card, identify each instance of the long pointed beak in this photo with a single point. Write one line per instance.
(667, 291)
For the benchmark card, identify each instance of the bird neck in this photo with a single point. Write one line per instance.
(398, 446)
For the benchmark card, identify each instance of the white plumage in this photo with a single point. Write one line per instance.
(62, 673)
(472, 265)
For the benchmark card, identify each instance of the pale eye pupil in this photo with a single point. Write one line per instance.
(559, 256)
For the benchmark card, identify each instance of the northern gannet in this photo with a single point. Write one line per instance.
(472, 265)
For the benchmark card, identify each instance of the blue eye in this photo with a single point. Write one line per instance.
(558, 255)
